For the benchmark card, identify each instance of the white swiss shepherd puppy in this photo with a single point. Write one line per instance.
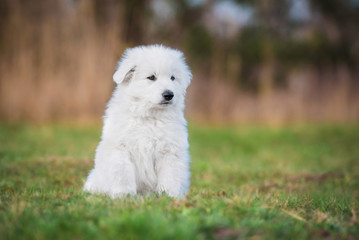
(144, 146)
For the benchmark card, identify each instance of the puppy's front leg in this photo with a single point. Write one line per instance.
(114, 174)
(123, 175)
(173, 176)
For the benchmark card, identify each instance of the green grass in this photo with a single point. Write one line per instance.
(247, 182)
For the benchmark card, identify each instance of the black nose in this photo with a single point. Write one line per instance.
(167, 95)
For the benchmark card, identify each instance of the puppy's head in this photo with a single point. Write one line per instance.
(155, 75)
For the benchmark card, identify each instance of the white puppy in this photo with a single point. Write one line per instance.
(144, 146)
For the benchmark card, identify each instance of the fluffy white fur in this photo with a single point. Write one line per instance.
(144, 145)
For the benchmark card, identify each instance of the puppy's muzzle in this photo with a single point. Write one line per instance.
(167, 96)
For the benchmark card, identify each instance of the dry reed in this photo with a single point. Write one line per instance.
(58, 66)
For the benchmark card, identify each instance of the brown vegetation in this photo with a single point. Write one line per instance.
(57, 60)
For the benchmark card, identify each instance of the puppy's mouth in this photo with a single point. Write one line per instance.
(165, 102)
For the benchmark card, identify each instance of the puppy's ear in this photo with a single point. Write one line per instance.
(125, 68)
(123, 74)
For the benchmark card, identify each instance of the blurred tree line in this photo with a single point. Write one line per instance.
(252, 45)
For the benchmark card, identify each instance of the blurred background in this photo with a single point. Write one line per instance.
(259, 61)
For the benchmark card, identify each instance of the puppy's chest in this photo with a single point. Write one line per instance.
(146, 144)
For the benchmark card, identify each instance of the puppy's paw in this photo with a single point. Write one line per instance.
(171, 191)
(121, 192)
(90, 187)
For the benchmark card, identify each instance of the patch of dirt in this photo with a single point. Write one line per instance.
(293, 182)
(323, 234)
(225, 233)
(314, 176)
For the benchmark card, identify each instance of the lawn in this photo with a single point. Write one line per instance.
(299, 182)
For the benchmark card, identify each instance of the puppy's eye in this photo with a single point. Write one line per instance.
(173, 78)
(152, 78)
